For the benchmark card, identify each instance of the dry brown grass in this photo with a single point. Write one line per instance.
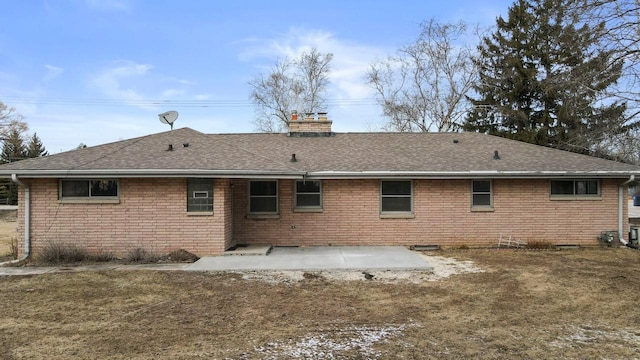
(527, 304)
(7, 233)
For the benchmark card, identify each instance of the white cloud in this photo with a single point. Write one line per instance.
(109, 5)
(172, 93)
(52, 72)
(111, 81)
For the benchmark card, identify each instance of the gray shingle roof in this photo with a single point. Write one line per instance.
(343, 155)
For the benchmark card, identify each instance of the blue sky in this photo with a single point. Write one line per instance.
(96, 71)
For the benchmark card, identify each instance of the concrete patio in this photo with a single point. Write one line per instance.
(316, 258)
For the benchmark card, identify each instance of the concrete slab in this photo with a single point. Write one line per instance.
(259, 250)
(24, 271)
(318, 258)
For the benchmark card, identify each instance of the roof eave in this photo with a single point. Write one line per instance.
(468, 174)
(256, 174)
(152, 173)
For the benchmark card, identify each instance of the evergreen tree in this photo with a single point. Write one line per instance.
(13, 149)
(35, 148)
(543, 78)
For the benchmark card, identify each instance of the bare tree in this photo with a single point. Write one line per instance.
(424, 87)
(297, 84)
(10, 120)
(621, 22)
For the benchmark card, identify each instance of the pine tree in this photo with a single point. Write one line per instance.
(35, 148)
(13, 149)
(543, 78)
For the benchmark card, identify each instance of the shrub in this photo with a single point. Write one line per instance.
(540, 245)
(141, 255)
(59, 253)
(13, 247)
(182, 255)
(102, 256)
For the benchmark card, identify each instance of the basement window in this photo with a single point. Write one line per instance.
(263, 197)
(575, 188)
(199, 195)
(88, 189)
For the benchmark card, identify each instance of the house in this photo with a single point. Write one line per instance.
(209, 192)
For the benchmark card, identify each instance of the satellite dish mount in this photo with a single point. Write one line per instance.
(168, 117)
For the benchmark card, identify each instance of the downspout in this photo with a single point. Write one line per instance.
(632, 178)
(27, 219)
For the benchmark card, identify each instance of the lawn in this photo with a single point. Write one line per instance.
(8, 234)
(525, 304)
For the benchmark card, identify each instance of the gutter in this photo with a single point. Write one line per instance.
(27, 221)
(632, 178)
(153, 173)
(471, 174)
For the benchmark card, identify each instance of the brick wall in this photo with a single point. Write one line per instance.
(151, 214)
(442, 215)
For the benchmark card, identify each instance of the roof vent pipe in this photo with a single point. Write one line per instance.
(293, 158)
(170, 147)
(496, 156)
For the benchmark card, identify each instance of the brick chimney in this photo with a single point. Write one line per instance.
(313, 124)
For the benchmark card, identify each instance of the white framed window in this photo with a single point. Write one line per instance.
(308, 194)
(481, 193)
(199, 195)
(88, 189)
(263, 197)
(575, 188)
(396, 196)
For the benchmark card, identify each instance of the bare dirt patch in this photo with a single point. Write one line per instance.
(571, 304)
(442, 267)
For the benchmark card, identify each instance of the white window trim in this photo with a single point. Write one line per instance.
(395, 214)
(295, 197)
(277, 196)
(482, 207)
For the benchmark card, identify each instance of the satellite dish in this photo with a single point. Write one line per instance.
(168, 117)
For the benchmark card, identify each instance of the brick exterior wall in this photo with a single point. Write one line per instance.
(152, 214)
(442, 215)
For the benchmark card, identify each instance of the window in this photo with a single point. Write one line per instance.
(199, 195)
(575, 188)
(263, 197)
(481, 195)
(79, 189)
(396, 196)
(308, 194)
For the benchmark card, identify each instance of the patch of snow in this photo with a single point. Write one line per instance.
(577, 335)
(330, 344)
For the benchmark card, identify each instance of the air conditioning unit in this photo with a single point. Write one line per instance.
(609, 238)
(634, 237)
